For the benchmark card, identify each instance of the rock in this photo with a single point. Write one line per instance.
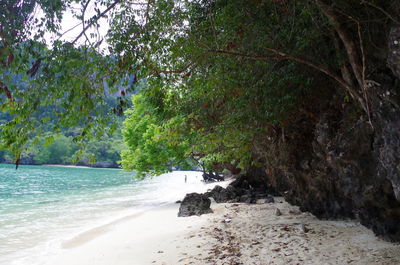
(278, 212)
(240, 190)
(228, 220)
(269, 199)
(194, 204)
(260, 201)
(245, 198)
(353, 170)
(221, 195)
(248, 198)
(388, 153)
(178, 201)
(394, 51)
(302, 228)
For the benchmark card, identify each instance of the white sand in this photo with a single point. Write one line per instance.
(254, 234)
(151, 236)
(233, 234)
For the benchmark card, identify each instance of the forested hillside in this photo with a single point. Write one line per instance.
(303, 95)
(62, 148)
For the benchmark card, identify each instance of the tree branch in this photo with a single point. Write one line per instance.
(65, 32)
(180, 71)
(95, 19)
(283, 56)
(83, 20)
(149, 2)
(382, 10)
(350, 47)
(255, 57)
(6, 91)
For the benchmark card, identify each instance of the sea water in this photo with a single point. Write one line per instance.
(42, 206)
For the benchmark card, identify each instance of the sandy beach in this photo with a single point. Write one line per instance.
(234, 234)
(153, 237)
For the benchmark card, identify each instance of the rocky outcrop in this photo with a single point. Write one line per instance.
(342, 172)
(245, 188)
(194, 204)
(221, 195)
(336, 162)
(394, 51)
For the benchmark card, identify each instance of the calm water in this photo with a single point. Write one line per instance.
(42, 206)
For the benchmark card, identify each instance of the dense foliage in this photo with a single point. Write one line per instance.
(215, 77)
(74, 82)
(63, 148)
(222, 75)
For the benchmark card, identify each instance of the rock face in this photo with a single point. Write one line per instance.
(336, 162)
(338, 170)
(394, 51)
(194, 204)
(342, 173)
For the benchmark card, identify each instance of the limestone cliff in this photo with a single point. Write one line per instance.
(336, 162)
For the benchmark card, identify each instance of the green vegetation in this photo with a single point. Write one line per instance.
(215, 77)
(61, 149)
(222, 76)
(65, 147)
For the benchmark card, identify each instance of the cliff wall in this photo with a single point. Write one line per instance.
(337, 162)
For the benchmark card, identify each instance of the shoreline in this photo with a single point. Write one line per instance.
(235, 233)
(145, 230)
(60, 165)
(77, 166)
(70, 166)
(148, 237)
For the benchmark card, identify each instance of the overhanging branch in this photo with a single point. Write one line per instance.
(278, 55)
(382, 10)
(95, 19)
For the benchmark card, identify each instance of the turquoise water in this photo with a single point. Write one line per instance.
(41, 206)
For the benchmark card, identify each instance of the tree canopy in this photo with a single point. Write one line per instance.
(214, 77)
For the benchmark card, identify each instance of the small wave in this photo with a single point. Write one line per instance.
(36, 192)
(49, 201)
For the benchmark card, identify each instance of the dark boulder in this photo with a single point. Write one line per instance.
(194, 204)
(254, 181)
(269, 199)
(240, 190)
(221, 195)
(248, 198)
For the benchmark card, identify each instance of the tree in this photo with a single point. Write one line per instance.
(152, 150)
(233, 71)
(59, 151)
(216, 76)
(73, 81)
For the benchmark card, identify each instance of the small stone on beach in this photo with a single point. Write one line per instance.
(303, 228)
(269, 199)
